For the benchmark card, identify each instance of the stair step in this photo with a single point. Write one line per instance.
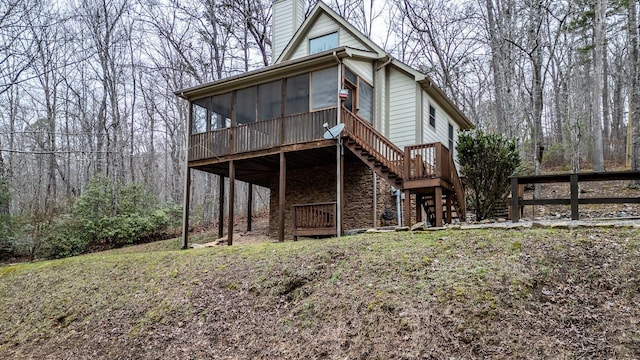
(371, 158)
(377, 164)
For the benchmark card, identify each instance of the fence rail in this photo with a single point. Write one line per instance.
(517, 203)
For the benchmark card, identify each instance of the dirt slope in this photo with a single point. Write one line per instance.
(534, 293)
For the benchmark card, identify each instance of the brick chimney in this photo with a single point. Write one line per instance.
(288, 15)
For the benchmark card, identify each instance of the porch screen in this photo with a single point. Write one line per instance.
(220, 111)
(246, 105)
(324, 88)
(297, 94)
(199, 120)
(269, 100)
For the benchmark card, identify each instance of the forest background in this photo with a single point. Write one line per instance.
(88, 118)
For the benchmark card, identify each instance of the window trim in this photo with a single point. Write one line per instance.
(356, 95)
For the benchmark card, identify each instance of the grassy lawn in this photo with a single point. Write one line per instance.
(526, 293)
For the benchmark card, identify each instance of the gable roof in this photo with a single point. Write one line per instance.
(424, 80)
(320, 9)
(284, 64)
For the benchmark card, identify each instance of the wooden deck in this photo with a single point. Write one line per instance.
(250, 152)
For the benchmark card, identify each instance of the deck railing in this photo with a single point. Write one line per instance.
(314, 219)
(307, 126)
(261, 135)
(256, 136)
(209, 144)
(427, 161)
(389, 155)
(421, 161)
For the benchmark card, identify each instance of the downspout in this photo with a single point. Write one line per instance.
(339, 107)
(398, 194)
(389, 59)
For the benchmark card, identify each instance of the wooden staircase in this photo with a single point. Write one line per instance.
(425, 170)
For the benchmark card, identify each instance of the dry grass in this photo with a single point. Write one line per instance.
(535, 293)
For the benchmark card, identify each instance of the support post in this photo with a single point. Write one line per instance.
(407, 208)
(232, 189)
(339, 187)
(438, 206)
(187, 183)
(515, 201)
(249, 206)
(281, 195)
(375, 200)
(419, 200)
(185, 211)
(449, 202)
(220, 206)
(573, 179)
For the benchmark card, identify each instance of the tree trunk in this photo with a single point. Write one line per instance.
(598, 69)
(496, 55)
(536, 89)
(634, 93)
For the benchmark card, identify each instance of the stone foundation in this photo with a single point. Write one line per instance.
(318, 184)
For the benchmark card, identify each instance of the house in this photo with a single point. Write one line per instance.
(393, 159)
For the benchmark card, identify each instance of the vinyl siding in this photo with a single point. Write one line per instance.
(441, 133)
(362, 68)
(402, 109)
(322, 26)
(287, 17)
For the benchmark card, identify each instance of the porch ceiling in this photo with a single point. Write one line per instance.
(260, 170)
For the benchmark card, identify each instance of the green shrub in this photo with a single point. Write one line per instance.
(487, 160)
(118, 218)
(6, 238)
(61, 238)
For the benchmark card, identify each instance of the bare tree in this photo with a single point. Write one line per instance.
(599, 56)
(634, 92)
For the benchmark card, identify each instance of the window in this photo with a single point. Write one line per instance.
(296, 94)
(432, 116)
(269, 100)
(450, 137)
(350, 76)
(365, 101)
(246, 105)
(324, 88)
(323, 43)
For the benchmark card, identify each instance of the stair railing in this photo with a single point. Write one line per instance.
(385, 152)
(459, 189)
